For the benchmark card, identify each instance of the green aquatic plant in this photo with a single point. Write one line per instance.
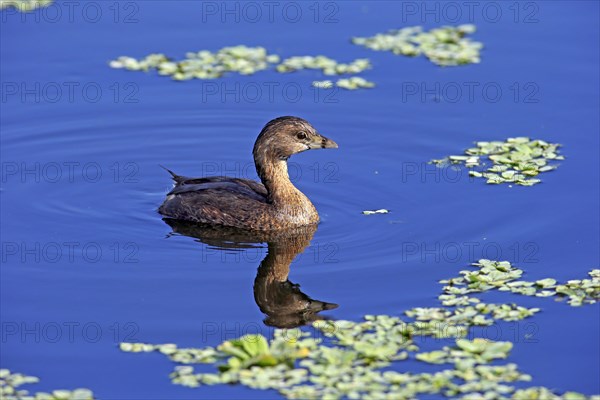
(327, 65)
(203, 64)
(24, 5)
(480, 314)
(245, 61)
(503, 276)
(352, 83)
(580, 291)
(238, 360)
(10, 383)
(348, 359)
(467, 353)
(514, 161)
(179, 355)
(351, 366)
(542, 393)
(254, 350)
(445, 46)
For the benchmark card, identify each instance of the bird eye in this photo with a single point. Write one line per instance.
(301, 135)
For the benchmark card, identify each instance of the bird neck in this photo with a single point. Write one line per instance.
(273, 173)
(289, 202)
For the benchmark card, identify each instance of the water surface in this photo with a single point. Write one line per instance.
(87, 262)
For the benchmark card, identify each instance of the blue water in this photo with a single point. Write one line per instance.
(87, 261)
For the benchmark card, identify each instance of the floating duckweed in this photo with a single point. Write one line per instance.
(542, 393)
(245, 61)
(326, 84)
(478, 314)
(9, 383)
(181, 355)
(503, 276)
(377, 340)
(349, 361)
(516, 160)
(342, 372)
(203, 64)
(546, 283)
(380, 211)
(275, 377)
(354, 82)
(581, 291)
(454, 300)
(507, 312)
(24, 5)
(468, 352)
(327, 65)
(242, 353)
(254, 350)
(445, 46)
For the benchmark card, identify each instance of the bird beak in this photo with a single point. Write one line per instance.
(323, 143)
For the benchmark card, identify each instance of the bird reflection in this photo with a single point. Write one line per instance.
(284, 304)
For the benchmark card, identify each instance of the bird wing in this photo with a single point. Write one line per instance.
(244, 187)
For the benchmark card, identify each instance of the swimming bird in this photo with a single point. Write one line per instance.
(242, 203)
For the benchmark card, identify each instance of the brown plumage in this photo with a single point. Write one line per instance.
(242, 203)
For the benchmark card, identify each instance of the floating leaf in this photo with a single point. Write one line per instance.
(10, 383)
(445, 46)
(203, 64)
(353, 83)
(515, 160)
(352, 362)
(327, 65)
